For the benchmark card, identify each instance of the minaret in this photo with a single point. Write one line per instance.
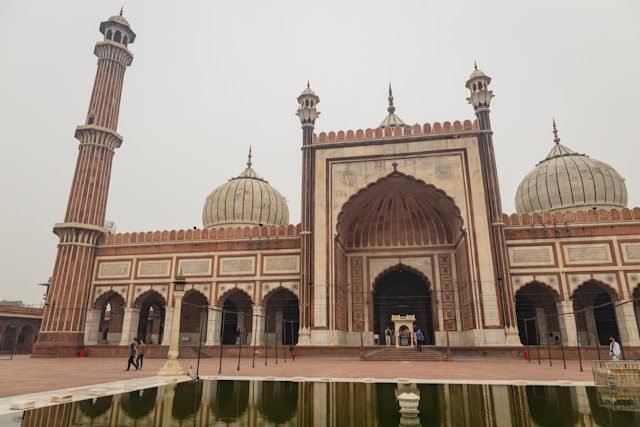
(62, 329)
(307, 113)
(480, 98)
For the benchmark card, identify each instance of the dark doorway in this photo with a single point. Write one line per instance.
(151, 323)
(230, 325)
(402, 291)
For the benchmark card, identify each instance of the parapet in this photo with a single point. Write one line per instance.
(427, 129)
(190, 235)
(593, 216)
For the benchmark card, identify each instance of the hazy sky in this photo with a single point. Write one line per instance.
(210, 78)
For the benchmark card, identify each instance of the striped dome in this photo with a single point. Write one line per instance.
(245, 200)
(568, 180)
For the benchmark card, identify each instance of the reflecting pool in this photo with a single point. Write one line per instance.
(280, 403)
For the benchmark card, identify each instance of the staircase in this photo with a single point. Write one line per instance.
(406, 354)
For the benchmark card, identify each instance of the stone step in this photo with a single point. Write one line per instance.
(398, 354)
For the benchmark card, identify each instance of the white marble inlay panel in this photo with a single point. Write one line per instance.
(114, 270)
(157, 268)
(598, 253)
(525, 256)
(195, 267)
(237, 265)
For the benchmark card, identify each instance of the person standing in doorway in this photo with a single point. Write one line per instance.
(132, 355)
(140, 356)
(614, 348)
(419, 339)
(387, 336)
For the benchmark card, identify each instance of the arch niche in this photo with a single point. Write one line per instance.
(282, 312)
(595, 314)
(193, 322)
(111, 306)
(536, 298)
(152, 313)
(403, 290)
(399, 213)
(237, 316)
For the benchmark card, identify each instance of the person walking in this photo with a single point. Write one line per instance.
(132, 355)
(140, 352)
(419, 339)
(614, 348)
(387, 336)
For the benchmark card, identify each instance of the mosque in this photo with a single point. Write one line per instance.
(396, 220)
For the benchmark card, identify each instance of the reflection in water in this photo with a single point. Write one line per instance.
(252, 403)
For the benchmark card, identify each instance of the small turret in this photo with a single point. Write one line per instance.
(392, 120)
(307, 112)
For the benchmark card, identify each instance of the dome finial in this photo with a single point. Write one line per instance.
(391, 109)
(308, 84)
(475, 65)
(249, 158)
(555, 133)
(121, 10)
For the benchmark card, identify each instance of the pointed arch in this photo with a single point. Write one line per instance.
(399, 210)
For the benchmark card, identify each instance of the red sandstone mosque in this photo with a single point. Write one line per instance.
(396, 220)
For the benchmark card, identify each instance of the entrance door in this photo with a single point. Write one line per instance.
(402, 291)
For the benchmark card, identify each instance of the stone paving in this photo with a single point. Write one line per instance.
(30, 375)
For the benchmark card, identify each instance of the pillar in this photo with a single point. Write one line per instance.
(168, 321)
(92, 326)
(278, 328)
(543, 332)
(257, 337)
(627, 325)
(130, 325)
(567, 322)
(214, 326)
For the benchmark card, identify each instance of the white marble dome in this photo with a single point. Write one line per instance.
(567, 180)
(245, 200)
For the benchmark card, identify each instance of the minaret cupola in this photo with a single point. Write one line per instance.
(478, 85)
(307, 112)
(118, 30)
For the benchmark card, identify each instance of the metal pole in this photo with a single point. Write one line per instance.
(284, 344)
(204, 310)
(538, 340)
(579, 351)
(266, 340)
(240, 346)
(254, 337)
(275, 336)
(526, 334)
(549, 349)
(564, 362)
(221, 342)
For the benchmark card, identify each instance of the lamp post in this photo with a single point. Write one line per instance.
(172, 366)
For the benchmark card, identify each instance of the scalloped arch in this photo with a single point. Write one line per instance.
(399, 210)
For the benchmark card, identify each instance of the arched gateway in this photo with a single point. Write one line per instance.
(392, 236)
(403, 291)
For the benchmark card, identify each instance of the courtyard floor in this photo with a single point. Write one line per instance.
(24, 374)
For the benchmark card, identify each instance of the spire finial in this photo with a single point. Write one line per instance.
(249, 158)
(391, 109)
(556, 139)
(121, 10)
(395, 166)
(475, 65)
(308, 85)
